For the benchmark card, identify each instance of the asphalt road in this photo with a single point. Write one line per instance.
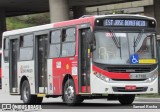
(56, 103)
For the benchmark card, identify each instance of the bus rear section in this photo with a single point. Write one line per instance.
(110, 57)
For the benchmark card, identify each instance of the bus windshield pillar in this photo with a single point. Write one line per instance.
(2, 25)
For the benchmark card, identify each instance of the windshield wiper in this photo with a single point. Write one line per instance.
(137, 40)
(116, 41)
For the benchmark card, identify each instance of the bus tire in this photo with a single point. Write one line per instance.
(25, 94)
(126, 99)
(69, 94)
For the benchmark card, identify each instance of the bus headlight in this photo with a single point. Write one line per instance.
(151, 79)
(102, 77)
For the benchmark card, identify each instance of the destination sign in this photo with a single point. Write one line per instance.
(126, 22)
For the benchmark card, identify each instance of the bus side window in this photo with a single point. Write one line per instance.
(68, 42)
(6, 53)
(55, 44)
(26, 47)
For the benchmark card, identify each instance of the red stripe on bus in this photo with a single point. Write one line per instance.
(111, 75)
(75, 22)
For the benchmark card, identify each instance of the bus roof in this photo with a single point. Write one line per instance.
(65, 23)
(27, 30)
(47, 26)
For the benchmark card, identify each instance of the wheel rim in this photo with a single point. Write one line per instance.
(26, 93)
(69, 93)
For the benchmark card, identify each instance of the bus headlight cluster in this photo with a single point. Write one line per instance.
(151, 79)
(102, 77)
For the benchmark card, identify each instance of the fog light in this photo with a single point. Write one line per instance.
(151, 89)
(106, 89)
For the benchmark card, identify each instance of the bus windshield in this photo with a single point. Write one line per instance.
(117, 48)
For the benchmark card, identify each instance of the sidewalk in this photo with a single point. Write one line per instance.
(147, 99)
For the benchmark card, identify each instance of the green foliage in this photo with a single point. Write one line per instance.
(38, 19)
(14, 23)
(27, 21)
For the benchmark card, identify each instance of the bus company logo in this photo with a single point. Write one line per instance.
(25, 69)
(15, 107)
(6, 107)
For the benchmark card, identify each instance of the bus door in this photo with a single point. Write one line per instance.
(14, 48)
(84, 59)
(158, 54)
(41, 62)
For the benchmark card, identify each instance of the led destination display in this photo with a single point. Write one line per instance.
(121, 22)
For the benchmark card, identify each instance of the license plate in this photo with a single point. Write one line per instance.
(130, 88)
(140, 76)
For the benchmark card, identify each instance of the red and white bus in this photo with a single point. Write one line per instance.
(110, 56)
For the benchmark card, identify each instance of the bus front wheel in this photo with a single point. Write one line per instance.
(69, 94)
(126, 99)
(26, 95)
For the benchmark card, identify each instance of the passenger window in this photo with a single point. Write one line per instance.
(26, 41)
(55, 44)
(70, 34)
(6, 45)
(68, 49)
(6, 53)
(54, 50)
(68, 42)
(55, 36)
(26, 47)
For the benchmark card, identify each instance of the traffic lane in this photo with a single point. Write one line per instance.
(56, 103)
(99, 105)
(60, 105)
(109, 105)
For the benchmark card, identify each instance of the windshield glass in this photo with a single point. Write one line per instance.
(117, 48)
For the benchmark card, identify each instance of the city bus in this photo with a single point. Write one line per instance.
(105, 56)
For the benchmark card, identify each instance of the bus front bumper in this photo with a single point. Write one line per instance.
(123, 87)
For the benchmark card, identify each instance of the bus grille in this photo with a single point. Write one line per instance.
(129, 69)
(122, 89)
